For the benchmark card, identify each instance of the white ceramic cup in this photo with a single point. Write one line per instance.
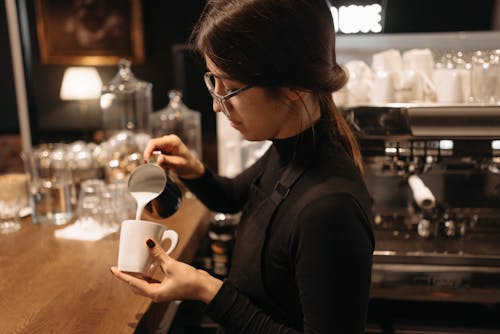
(133, 254)
(359, 83)
(419, 60)
(409, 86)
(452, 85)
(388, 60)
(383, 87)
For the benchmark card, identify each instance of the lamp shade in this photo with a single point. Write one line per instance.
(80, 83)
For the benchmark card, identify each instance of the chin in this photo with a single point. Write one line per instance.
(256, 134)
(252, 137)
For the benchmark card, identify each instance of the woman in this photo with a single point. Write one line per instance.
(302, 257)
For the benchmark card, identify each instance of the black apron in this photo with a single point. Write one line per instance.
(247, 262)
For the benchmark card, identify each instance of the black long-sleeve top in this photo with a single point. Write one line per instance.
(316, 265)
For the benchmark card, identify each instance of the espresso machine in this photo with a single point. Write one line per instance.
(434, 174)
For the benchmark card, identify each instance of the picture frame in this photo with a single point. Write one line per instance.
(97, 32)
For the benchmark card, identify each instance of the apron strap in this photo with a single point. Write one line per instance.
(290, 176)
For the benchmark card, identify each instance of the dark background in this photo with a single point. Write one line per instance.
(167, 66)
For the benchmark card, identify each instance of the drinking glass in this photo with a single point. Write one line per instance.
(90, 200)
(123, 205)
(483, 77)
(13, 198)
(52, 191)
(495, 63)
(117, 205)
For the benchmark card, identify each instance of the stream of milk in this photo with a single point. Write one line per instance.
(142, 198)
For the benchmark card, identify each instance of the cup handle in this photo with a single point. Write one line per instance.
(174, 239)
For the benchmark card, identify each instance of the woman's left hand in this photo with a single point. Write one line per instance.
(181, 281)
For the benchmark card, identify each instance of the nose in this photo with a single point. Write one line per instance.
(216, 105)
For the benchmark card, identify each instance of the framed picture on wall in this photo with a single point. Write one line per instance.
(89, 32)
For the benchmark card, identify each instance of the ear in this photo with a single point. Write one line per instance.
(293, 94)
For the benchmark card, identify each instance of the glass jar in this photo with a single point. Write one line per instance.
(178, 119)
(221, 234)
(126, 102)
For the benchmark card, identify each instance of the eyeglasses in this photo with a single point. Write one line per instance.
(210, 79)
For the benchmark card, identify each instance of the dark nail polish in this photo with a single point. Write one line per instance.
(150, 243)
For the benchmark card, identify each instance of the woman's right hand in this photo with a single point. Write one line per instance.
(175, 156)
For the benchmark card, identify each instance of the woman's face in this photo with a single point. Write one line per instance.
(256, 113)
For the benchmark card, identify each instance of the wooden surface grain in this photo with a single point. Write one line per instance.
(50, 285)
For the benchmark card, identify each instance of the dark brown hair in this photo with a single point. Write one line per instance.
(278, 43)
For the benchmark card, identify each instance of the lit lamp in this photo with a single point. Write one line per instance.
(82, 84)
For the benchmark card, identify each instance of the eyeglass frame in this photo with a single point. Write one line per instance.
(222, 98)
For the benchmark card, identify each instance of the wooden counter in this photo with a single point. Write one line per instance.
(50, 285)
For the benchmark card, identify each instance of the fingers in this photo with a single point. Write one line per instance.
(159, 254)
(168, 144)
(123, 276)
(175, 157)
(139, 285)
(169, 161)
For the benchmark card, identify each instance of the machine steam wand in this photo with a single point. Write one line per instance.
(426, 201)
(422, 195)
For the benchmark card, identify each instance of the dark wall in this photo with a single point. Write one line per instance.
(8, 115)
(438, 15)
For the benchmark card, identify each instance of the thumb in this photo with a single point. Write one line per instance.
(158, 253)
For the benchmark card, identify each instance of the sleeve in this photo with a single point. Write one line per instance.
(331, 250)
(223, 194)
(237, 314)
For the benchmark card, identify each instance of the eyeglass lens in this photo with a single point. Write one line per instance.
(210, 83)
